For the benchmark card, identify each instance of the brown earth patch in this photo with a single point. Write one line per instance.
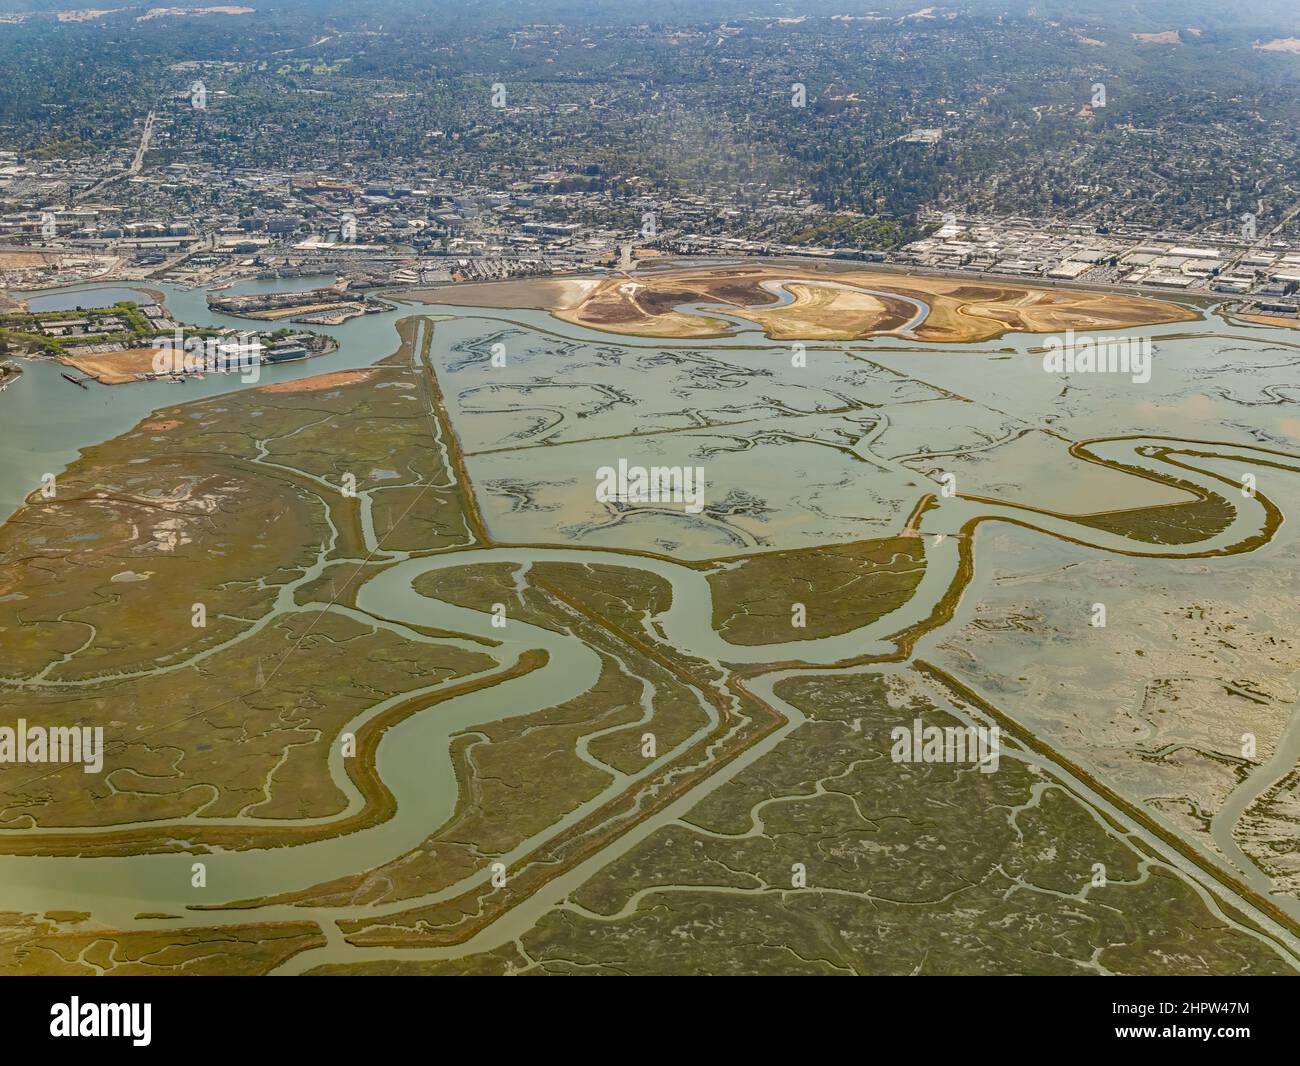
(114, 368)
(320, 381)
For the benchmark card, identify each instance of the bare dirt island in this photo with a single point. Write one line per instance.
(1283, 321)
(320, 382)
(116, 367)
(791, 303)
(539, 294)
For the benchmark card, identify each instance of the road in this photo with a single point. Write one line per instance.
(145, 137)
(137, 162)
